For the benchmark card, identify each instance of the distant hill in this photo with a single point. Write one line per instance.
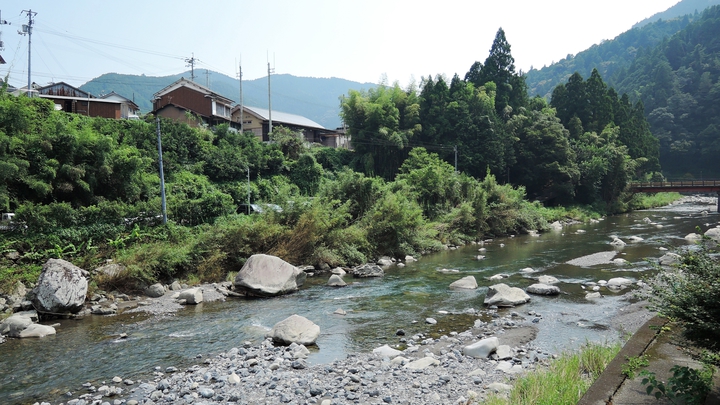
(682, 8)
(610, 56)
(314, 98)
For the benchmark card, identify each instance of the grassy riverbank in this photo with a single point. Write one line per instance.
(563, 382)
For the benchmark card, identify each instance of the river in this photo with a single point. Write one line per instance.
(90, 350)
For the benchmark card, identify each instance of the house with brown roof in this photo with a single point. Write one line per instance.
(257, 121)
(73, 100)
(192, 103)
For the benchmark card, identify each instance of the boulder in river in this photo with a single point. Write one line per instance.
(466, 283)
(503, 295)
(295, 329)
(192, 296)
(713, 233)
(22, 325)
(543, 289)
(548, 279)
(61, 288)
(269, 276)
(669, 259)
(336, 281)
(368, 270)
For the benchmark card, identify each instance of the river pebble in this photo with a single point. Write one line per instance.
(428, 371)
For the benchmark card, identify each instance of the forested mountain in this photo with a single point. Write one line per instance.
(314, 98)
(607, 57)
(612, 55)
(680, 9)
(679, 83)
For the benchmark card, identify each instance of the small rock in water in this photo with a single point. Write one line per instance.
(430, 321)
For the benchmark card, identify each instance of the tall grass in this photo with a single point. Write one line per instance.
(563, 382)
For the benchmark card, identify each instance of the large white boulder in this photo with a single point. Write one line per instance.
(482, 348)
(266, 275)
(156, 290)
(386, 351)
(36, 330)
(543, 289)
(295, 329)
(423, 363)
(336, 281)
(61, 288)
(548, 280)
(618, 282)
(22, 325)
(467, 283)
(503, 295)
(713, 233)
(192, 296)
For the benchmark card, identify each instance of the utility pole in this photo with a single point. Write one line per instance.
(455, 149)
(248, 189)
(207, 78)
(191, 64)
(27, 30)
(270, 71)
(242, 109)
(162, 173)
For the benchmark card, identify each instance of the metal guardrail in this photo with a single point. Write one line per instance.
(677, 183)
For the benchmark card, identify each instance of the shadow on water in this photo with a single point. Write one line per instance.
(89, 349)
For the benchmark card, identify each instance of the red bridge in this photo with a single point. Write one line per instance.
(679, 186)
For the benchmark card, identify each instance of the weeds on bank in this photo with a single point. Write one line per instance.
(633, 364)
(563, 382)
(686, 386)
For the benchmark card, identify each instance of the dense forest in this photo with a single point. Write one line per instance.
(582, 148)
(678, 82)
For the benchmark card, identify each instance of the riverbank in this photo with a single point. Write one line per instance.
(561, 316)
(428, 371)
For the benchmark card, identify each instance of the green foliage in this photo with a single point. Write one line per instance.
(563, 382)
(306, 173)
(381, 122)
(633, 364)
(686, 386)
(689, 294)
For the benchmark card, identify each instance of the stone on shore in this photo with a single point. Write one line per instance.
(336, 281)
(295, 329)
(387, 351)
(22, 325)
(482, 348)
(467, 283)
(423, 363)
(156, 290)
(367, 270)
(192, 296)
(503, 295)
(543, 289)
(269, 276)
(556, 226)
(61, 288)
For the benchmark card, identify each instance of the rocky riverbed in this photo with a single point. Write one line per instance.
(426, 371)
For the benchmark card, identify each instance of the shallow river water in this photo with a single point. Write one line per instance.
(89, 349)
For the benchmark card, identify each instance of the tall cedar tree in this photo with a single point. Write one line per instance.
(499, 68)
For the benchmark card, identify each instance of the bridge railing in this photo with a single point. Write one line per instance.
(677, 183)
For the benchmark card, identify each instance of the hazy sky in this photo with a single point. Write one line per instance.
(77, 40)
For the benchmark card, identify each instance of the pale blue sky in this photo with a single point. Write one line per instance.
(77, 40)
